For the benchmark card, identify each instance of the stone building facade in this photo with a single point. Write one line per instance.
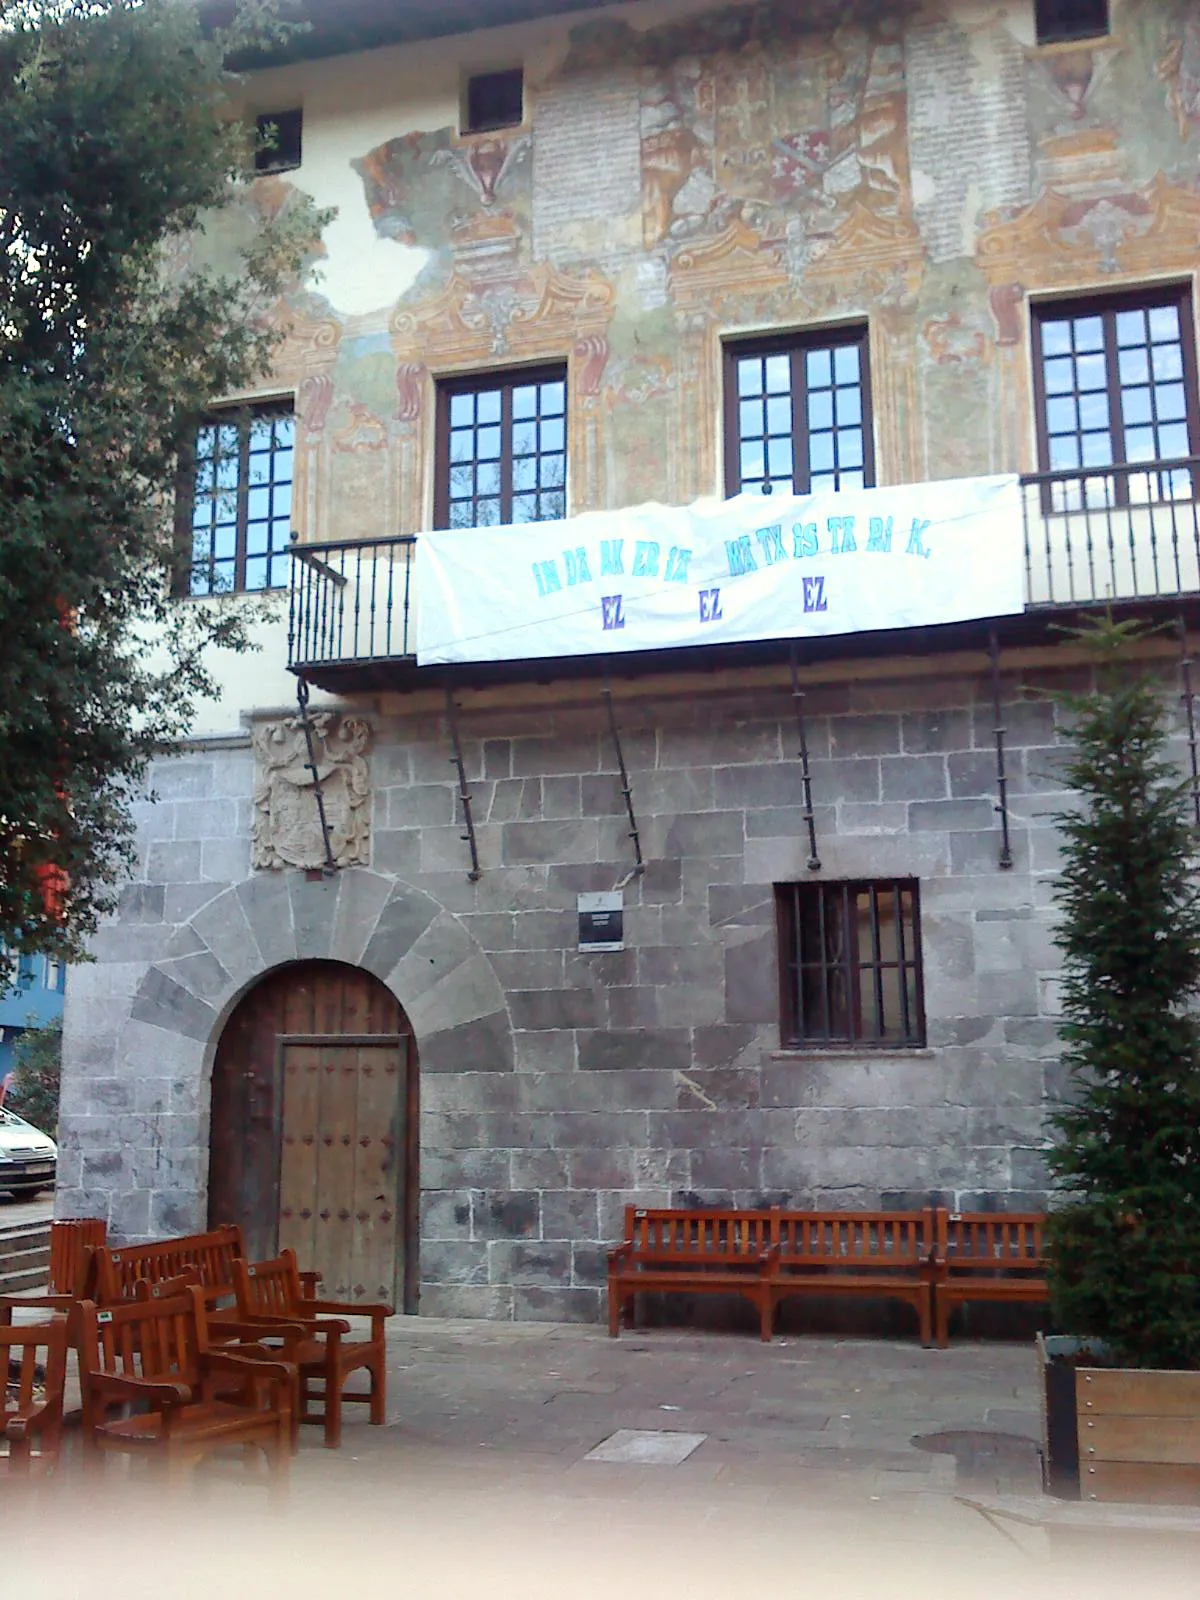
(929, 174)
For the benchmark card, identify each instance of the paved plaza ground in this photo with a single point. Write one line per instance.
(546, 1459)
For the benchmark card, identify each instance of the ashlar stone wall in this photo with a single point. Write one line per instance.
(557, 1086)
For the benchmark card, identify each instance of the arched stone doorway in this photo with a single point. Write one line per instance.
(315, 1132)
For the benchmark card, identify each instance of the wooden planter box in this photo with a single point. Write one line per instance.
(1117, 1434)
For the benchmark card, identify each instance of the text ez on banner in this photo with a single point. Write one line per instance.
(755, 567)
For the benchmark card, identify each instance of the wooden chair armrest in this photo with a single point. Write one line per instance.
(349, 1308)
(33, 1302)
(255, 1328)
(159, 1392)
(620, 1254)
(18, 1426)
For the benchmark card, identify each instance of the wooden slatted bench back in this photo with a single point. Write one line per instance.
(697, 1238)
(71, 1241)
(985, 1243)
(875, 1241)
(210, 1255)
(151, 1338)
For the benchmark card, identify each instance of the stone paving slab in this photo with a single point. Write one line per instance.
(808, 1477)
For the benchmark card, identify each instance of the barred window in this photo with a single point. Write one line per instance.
(850, 964)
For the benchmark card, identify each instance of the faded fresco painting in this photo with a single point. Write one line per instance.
(744, 169)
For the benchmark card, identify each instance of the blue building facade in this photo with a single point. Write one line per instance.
(31, 998)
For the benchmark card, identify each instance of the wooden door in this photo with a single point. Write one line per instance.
(345, 1022)
(343, 1138)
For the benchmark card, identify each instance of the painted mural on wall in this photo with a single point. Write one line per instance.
(763, 166)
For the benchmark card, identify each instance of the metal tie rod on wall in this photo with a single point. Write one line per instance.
(1006, 859)
(639, 866)
(1189, 701)
(814, 860)
(330, 866)
(464, 794)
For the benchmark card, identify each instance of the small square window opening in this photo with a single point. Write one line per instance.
(1062, 21)
(278, 147)
(495, 100)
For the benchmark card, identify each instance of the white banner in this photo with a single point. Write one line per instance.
(756, 567)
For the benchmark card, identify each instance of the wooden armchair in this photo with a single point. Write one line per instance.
(327, 1356)
(155, 1354)
(34, 1363)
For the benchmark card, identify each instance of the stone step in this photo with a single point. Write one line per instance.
(24, 1258)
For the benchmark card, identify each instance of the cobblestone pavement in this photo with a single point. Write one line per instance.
(852, 1467)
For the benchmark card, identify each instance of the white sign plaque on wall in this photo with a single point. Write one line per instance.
(600, 921)
(755, 567)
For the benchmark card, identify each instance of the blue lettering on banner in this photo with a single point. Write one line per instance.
(710, 605)
(645, 559)
(916, 545)
(611, 560)
(880, 537)
(677, 565)
(612, 609)
(771, 543)
(545, 575)
(576, 563)
(740, 556)
(843, 528)
(814, 594)
(804, 539)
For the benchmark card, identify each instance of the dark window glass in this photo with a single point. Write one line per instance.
(1060, 20)
(798, 415)
(236, 521)
(495, 100)
(278, 148)
(850, 964)
(1115, 385)
(502, 450)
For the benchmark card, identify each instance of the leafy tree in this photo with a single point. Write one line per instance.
(1125, 1246)
(118, 324)
(37, 1069)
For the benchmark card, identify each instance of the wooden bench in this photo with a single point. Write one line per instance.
(880, 1254)
(691, 1252)
(155, 1354)
(210, 1255)
(987, 1255)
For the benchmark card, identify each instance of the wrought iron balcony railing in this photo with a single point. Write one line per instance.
(1108, 535)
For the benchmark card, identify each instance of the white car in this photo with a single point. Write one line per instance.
(28, 1157)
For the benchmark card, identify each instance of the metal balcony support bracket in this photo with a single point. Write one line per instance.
(464, 794)
(330, 866)
(814, 860)
(639, 866)
(1189, 702)
(1006, 856)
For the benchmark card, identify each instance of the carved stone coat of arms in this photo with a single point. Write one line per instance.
(287, 823)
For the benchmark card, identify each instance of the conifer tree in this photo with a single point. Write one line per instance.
(1125, 1244)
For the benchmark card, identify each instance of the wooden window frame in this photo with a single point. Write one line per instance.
(244, 416)
(1107, 306)
(792, 1032)
(796, 346)
(506, 379)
